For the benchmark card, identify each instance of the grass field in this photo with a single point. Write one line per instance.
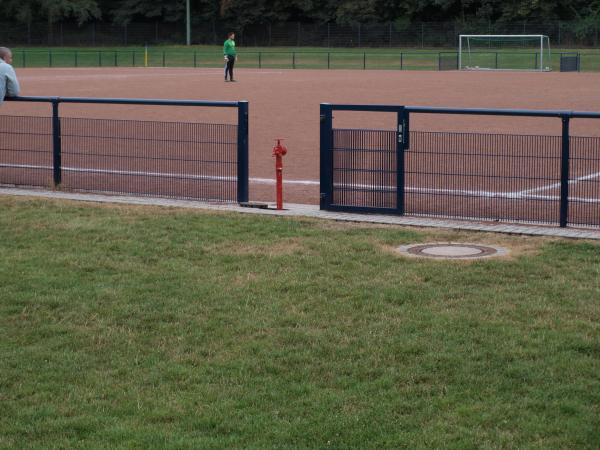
(140, 327)
(275, 57)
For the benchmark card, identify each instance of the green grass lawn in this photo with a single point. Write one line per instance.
(141, 327)
(283, 57)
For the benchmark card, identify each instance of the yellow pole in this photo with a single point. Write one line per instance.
(146, 56)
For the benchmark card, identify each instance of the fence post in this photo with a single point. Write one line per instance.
(564, 172)
(328, 60)
(401, 61)
(364, 60)
(195, 59)
(50, 58)
(99, 58)
(56, 144)
(242, 153)
(496, 60)
(24, 59)
(402, 131)
(293, 60)
(75, 58)
(116, 62)
(163, 58)
(260, 60)
(133, 58)
(326, 156)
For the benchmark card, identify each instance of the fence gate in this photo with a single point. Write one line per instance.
(362, 170)
(550, 179)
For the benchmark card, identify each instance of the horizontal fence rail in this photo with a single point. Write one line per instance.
(204, 161)
(289, 59)
(468, 175)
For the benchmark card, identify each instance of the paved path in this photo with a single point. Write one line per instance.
(298, 210)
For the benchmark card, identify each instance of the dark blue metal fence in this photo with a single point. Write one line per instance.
(205, 161)
(482, 176)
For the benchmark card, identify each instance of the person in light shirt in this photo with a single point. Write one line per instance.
(9, 84)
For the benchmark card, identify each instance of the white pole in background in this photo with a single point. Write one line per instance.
(541, 53)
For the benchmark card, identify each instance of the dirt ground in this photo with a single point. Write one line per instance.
(285, 104)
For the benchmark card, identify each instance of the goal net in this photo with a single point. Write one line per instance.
(504, 52)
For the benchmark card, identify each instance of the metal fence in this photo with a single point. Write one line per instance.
(483, 176)
(413, 35)
(360, 60)
(207, 161)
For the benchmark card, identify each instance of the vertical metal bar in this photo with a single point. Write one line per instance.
(364, 60)
(56, 144)
(242, 152)
(133, 58)
(293, 60)
(195, 59)
(163, 58)
(401, 61)
(401, 140)
(99, 58)
(564, 172)
(326, 155)
(328, 60)
(460, 52)
(75, 58)
(50, 58)
(116, 56)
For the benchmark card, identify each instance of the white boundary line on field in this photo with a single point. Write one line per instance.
(528, 194)
(557, 185)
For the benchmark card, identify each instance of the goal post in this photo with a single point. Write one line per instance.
(529, 52)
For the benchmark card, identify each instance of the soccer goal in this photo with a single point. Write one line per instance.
(504, 52)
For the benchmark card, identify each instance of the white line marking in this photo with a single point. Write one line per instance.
(557, 185)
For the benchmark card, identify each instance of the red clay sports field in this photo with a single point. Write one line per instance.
(285, 103)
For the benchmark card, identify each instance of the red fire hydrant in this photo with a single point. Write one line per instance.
(278, 152)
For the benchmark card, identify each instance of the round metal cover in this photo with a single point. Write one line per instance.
(452, 250)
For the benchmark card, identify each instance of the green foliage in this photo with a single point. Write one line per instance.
(248, 12)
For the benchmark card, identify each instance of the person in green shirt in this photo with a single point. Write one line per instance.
(230, 55)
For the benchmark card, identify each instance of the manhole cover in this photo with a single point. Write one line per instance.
(452, 250)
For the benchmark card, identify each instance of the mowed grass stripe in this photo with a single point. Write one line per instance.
(138, 327)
